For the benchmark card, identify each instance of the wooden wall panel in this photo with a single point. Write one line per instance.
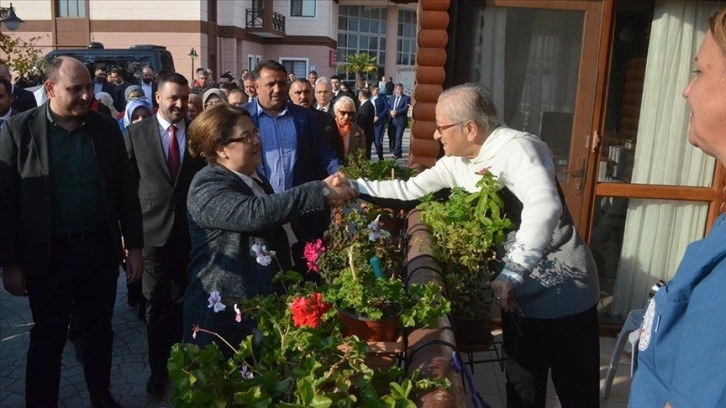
(432, 38)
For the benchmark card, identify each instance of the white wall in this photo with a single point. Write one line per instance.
(145, 10)
(325, 22)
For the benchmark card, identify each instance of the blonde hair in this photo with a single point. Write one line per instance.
(717, 24)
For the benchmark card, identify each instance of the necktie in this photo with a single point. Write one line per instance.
(174, 158)
(395, 104)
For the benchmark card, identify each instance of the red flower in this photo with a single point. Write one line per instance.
(484, 170)
(312, 253)
(308, 311)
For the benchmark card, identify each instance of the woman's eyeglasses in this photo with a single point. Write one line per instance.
(246, 136)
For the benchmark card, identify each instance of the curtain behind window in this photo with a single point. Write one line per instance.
(657, 231)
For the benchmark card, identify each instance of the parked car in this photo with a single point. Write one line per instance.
(130, 60)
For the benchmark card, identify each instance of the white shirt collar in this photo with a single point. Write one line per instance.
(165, 123)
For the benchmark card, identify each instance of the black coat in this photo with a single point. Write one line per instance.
(25, 188)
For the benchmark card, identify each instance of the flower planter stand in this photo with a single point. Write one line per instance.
(384, 354)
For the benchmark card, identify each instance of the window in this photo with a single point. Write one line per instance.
(406, 54)
(297, 66)
(71, 8)
(302, 8)
(252, 61)
(359, 30)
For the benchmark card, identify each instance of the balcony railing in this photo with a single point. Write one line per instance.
(255, 18)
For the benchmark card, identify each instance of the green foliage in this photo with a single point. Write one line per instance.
(467, 228)
(22, 56)
(360, 167)
(297, 366)
(352, 239)
(361, 63)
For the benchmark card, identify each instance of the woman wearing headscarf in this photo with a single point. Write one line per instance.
(136, 111)
(212, 97)
(131, 93)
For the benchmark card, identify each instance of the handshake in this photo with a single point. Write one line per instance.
(340, 190)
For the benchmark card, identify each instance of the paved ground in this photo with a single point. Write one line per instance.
(128, 373)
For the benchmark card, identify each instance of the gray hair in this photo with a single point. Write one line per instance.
(470, 102)
(323, 80)
(341, 100)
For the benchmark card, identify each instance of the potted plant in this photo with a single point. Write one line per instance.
(302, 361)
(360, 167)
(469, 227)
(360, 263)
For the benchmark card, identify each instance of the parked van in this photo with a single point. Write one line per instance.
(130, 60)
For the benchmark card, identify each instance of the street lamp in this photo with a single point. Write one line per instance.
(192, 56)
(9, 18)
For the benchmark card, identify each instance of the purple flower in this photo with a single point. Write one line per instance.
(374, 230)
(246, 372)
(264, 257)
(215, 302)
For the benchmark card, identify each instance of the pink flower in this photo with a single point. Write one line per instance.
(484, 171)
(312, 253)
(308, 311)
(238, 313)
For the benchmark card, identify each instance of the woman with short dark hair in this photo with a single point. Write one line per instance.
(237, 223)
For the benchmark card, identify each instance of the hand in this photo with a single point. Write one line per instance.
(134, 265)
(393, 113)
(502, 291)
(340, 190)
(14, 280)
(375, 119)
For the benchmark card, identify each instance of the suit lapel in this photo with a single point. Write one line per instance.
(38, 133)
(156, 145)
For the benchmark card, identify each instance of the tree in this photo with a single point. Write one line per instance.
(359, 64)
(22, 56)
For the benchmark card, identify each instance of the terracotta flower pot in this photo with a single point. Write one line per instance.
(370, 330)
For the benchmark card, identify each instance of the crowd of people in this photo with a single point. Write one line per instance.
(191, 190)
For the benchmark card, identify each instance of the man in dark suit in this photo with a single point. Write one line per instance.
(364, 118)
(324, 96)
(60, 241)
(398, 108)
(301, 94)
(148, 85)
(118, 86)
(22, 100)
(6, 100)
(157, 150)
(380, 120)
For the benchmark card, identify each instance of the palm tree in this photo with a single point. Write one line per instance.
(359, 64)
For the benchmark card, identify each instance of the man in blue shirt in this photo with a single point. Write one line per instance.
(293, 152)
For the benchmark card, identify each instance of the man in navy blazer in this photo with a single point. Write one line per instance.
(398, 109)
(293, 152)
(380, 120)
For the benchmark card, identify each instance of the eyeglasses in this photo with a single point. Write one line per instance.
(441, 128)
(347, 113)
(246, 136)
